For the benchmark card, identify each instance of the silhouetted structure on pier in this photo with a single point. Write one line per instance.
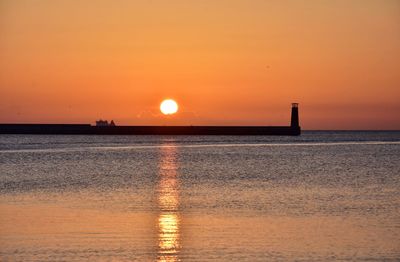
(87, 129)
(294, 122)
(104, 123)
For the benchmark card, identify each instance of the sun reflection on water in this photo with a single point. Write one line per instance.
(168, 202)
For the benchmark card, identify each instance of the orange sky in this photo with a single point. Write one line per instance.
(225, 62)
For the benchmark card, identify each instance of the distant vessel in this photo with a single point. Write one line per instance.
(102, 127)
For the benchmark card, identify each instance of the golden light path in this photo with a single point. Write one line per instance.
(168, 201)
(169, 107)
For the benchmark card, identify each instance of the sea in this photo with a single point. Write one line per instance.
(321, 196)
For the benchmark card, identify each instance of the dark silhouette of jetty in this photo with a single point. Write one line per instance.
(111, 129)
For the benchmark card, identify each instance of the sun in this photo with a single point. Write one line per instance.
(168, 107)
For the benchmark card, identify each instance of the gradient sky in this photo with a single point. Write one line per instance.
(225, 62)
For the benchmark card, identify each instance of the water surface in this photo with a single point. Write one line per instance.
(320, 196)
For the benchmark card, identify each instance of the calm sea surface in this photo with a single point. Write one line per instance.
(320, 196)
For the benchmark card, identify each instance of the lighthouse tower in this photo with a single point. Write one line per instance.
(295, 115)
(294, 123)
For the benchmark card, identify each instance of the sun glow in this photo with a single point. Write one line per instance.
(169, 107)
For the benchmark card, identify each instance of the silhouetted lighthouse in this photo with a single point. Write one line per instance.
(295, 115)
(294, 123)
